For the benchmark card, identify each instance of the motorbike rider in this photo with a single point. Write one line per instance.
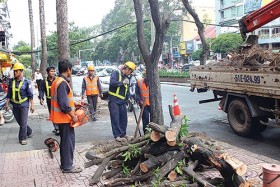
(20, 94)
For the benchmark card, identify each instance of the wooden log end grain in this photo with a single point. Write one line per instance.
(171, 135)
(155, 136)
(172, 176)
(143, 168)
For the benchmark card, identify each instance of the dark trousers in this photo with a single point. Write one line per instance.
(92, 101)
(146, 117)
(38, 83)
(67, 146)
(118, 115)
(49, 107)
(21, 115)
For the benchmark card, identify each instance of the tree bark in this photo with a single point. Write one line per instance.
(200, 28)
(43, 38)
(62, 30)
(153, 162)
(151, 59)
(32, 34)
(208, 157)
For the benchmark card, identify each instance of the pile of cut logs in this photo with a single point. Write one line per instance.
(164, 158)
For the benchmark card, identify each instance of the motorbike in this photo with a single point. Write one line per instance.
(8, 115)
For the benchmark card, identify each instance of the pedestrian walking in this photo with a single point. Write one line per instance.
(38, 78)
(142, 98)
(92, 87)
(63, 114)
(118, 90)
(45, 89)
(20, 95)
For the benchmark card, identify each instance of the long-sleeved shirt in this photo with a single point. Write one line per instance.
(114, 81)
(43, 89)
(98, 85)
(62, 98)
(25, 91)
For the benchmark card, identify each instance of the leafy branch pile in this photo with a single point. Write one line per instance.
(253, 56)
(167, 156)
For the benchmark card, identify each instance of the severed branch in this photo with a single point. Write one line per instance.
(189, 171)
(153, 162)
(111, 173)
(96, 177)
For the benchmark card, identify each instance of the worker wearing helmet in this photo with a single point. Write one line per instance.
(118, 90)
(142, 98)
(45, 87)
(92, 88)
(20, 95)
(63, 115)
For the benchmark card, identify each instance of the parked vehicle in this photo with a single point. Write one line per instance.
(249, 95)
(104, 73)
(186, 67)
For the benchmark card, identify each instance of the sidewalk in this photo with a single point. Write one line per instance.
(36, 168)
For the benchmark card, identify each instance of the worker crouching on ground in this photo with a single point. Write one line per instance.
(21, 96)
(62, 114)
(45, 87)
(91, 85)
(142, 97)
(118, 90)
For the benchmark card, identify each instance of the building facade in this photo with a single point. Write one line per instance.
(5, 26)
(229, 12)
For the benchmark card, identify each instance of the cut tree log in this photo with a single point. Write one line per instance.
(170, 165)
(189, 171)
(172, 175)
(158, 128)
(123, 181)
(173, 132)
(239, 167)
(111, 173)
(155, 136)
(93, 162)
(96, 177)
(154, 162)
(208, 157)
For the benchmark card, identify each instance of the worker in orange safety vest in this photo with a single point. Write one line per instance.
(92, 87)
(142, 98)
(63, 114)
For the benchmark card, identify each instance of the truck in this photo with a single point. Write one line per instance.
(249, 95)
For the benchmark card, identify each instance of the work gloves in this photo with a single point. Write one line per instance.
(126, 81)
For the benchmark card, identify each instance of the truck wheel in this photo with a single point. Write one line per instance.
(240, 118)
(257, 126)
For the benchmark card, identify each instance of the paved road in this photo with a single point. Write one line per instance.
(203, 118)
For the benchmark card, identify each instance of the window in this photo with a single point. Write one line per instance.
(276, 30)
(264, 33)
(233, 12)
(239, 11)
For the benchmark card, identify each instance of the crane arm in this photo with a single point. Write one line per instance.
(259, 17)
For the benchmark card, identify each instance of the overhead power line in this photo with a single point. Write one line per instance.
(113, 30)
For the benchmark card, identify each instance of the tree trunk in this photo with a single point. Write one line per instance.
(43, 38)
(32, 34)
(200, 28)
(151, 59)
(62, 30)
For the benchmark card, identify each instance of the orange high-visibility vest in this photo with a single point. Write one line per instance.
(57, 116)
(91, 85)
(144, 91)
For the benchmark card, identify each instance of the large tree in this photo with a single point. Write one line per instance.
(151, 58)
(43, 38)
(62, 30)
(32, 33)
(200, 28)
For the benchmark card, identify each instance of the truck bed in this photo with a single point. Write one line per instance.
(257, 81)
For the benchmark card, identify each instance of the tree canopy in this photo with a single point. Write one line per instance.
(225, 43)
